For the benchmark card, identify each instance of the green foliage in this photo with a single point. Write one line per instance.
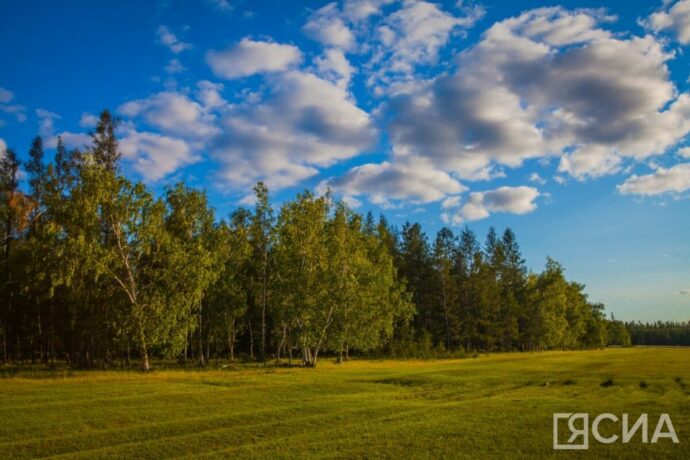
(97, 269)
(659, 333)
(618, 334)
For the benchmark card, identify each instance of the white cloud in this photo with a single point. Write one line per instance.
(549, 82)
(352, 202)
(174, 66)
(480, 205)
(335, 67)
(167, 38)
(675, 179)
(590, 161)
(88, 120)
(46, 129)
(413, 180)
(304, 122)
(684, 292)
(675, 19)
(247, 200)
(557, 27)
(536, 178)
(684, 152)
(326, 26)
(249, 57)
(19, 111)
(46, 123)
(360, 10)
(451, 202)
(174, 113)
(71, 140)
(210, 94)
(3, 145)
(154, 156)
(414, 35)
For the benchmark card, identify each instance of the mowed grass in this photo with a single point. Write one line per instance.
(497, 406)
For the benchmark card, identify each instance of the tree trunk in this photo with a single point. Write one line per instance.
(281, 345)
(145, 360)
(4, 345)
(306, 356)
(264, 300)
(251, 339)
(202, 361)
(445, 314)
(143, 350)
(231, 340)
(186, 346)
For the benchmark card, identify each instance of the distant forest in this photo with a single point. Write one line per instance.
(97, 272)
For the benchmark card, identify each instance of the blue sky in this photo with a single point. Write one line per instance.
(567, 121)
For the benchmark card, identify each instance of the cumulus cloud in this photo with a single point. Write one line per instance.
(413, 180)
(451, 202)
(167, 38)
(360, 10)
(413, 35)
(71, 140)
(249, 57)
(326, 26)
(335, 67)
(304, 122)
(675, 179)
(210, 94)
(480, 205)
(674, 18)
(187, 123)
(549, 82)
(153, 155)
(174, 113)
(590, 161)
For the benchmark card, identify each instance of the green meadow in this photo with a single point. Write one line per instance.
(489, 406)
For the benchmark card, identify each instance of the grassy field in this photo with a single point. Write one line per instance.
(497, 406)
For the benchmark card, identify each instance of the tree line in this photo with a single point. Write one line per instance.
(97, 271)
(669, 333)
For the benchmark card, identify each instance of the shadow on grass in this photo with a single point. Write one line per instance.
(607, 383)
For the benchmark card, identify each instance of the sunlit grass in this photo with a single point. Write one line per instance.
(485, 407)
